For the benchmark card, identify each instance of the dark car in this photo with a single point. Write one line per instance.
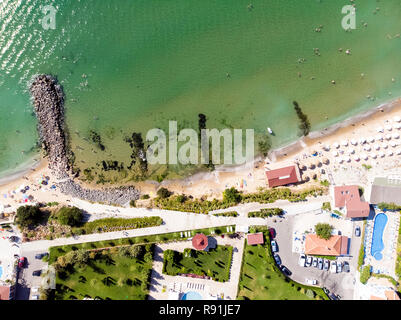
(21, 262)
(320, 264)
(286, 271)
(13, 239)
(332, 296)
(277, 259)
(326, 265)
(37, 273)
(358, 231)
(346, 266)
(41, 255)
(272, 233)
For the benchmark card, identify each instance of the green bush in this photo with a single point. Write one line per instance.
(132, 204)
(163, 193)
(389, 206)
(323, 230)
(231, 195)
(265, 213)
(365, 274)
(28, 216)
(145, 196)
(227, 214)
(326, 206)
(70, 216)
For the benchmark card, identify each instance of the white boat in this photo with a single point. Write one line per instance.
(270, 130)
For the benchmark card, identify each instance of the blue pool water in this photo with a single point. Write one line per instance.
(1, 271)
(377, 237)
(191, 295)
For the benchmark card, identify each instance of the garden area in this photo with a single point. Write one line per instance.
(261, 279)
(120, 273)
(215, 263)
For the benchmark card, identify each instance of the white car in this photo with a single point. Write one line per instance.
(333, 267)
(35, 297)
(274, 246)
(302, 260)
(311, 282)
(35, 289)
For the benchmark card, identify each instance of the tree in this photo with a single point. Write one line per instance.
(70, 216)
(28, 216)
(304, 125)
(231, 195)
(323, 230)
(163, 193)
(136, 251)
(365, 274)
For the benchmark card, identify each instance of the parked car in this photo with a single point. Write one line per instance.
(339, 267)
(332, 296)
(309, 261)
(302, 260)
(35, 297)
(326, 265)
(13, 239)
(274, 246)
(357, 231)
(314, 263)
(272, 233)
(333, 267)
(311, 282)
(37, 273)
(320, 264)
(346, 266)
(277, 259)
(22, 262)
(285, 270)
(35, 289)
(41, 255)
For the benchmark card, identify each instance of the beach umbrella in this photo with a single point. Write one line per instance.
(311, 165)
(385, 145)
(396, 135)
(334, 153)
(388, 136)
(362, 141)
(364, 156)
(344, 143)
(389, 153)
(354, 142)
(314, 176)
(347, 159)
(318, 163)
(326, 161)
(397, 119)
(393, 144)
(306, 178)
(351, 151)
(371, 139)
(397, 126)
(381, 154)
(373, 155)
(398, 151)
(379, 129)
(340, 160)
(389, 127)
(336, 145)
(377, 147)
(356, 158)
(379, 137)
(367, 148)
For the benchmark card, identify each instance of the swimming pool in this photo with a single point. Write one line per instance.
(377, 237)
(1, 271)
(191, 295)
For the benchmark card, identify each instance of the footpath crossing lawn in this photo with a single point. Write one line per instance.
(261, 279)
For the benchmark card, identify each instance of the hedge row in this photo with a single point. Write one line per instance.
(265, 213)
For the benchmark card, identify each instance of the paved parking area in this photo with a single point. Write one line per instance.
(26, 281)
(338, 283)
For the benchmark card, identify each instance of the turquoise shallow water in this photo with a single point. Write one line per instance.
(132, 65)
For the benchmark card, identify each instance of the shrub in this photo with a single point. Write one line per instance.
(365, 274)
(145, 196)
(326, 206)
(323, 230)
(70, 216)
(227, 214)
(389, 206)
(28, 216)
(163, 193)
(231, 195)
(132, 203)
(264, 213)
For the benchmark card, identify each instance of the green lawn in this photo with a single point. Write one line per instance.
(262, 280)
(109, 275)
(215, 263)
(55, 252)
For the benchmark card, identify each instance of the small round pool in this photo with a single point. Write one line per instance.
(377, 237)
(191, 295)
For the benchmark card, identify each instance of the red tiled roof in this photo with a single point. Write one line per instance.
(337, 245)
(4, 293)
(199, 241)
(348, 196)
(255, 238)
(282, 176)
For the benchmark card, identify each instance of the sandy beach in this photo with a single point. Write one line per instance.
(250, 177)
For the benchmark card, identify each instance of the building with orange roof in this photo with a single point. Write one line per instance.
(7, 292)
(255, 238)
(200, 241)
(336, 246)
(283, 176)
(347, 198)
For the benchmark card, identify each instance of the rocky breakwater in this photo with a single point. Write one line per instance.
(48, 101)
